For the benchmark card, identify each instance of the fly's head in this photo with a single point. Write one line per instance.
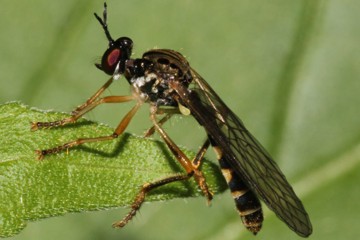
(115, 57)
(114, 60)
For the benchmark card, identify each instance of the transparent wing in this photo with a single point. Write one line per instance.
(245, 154)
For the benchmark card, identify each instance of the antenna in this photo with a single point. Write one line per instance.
(103, 23)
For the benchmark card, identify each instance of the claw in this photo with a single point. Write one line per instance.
(34, 126)
(40, 154)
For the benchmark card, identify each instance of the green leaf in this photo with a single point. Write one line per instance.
(92, 177)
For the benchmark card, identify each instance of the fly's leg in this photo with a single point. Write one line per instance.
(142, 194)
(147, 187)
(119, 130)
(191, 167)
(91, 103)
(182, 158)
(93, 97)
(151, 130)
(169, 113)
(201, 153)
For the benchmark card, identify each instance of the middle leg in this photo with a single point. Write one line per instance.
(119, 130)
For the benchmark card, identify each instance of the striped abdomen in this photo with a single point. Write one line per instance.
(247, 204)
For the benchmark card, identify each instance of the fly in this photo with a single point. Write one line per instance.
(164, 79)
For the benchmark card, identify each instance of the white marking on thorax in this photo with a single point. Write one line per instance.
(138, 82)
(141, 81)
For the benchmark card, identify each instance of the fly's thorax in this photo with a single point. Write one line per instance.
(169, 65)
(153, 89)
(152, 75)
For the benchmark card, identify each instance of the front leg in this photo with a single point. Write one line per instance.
(80, 111)
(91, 103)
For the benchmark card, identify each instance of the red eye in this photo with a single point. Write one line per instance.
(116, 55)
(113, 57)
(110, 60)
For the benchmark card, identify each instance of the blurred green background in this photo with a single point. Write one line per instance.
(289, 69)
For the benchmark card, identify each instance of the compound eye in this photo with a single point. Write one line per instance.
(113, 57)
(110, 60)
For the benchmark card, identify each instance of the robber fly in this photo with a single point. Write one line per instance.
(163, 79)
